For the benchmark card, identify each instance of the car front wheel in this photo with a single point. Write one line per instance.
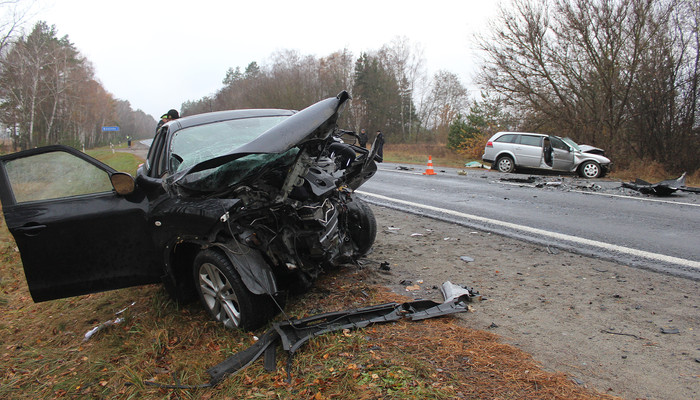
(362, 226)
(590, 169)
(224, 295)
(505, 164)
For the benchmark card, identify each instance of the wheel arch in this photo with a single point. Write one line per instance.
(582, 165)
(506, 154)
(255, 272)
(503, 154)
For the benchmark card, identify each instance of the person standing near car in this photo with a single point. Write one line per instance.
(169, 116)
(362, 137)
(379, 141)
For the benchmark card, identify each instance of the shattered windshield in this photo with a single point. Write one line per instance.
(190, 146)
(571, 143)
(239, 170)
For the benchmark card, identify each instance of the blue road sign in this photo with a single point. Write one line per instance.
(110, 128)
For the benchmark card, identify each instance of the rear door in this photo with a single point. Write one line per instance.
(74, 233)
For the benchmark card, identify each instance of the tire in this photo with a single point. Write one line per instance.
(225, 297)
(590, 170)
(505, 164)
(362, 226)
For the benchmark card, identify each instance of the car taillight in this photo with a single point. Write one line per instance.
(489, 144)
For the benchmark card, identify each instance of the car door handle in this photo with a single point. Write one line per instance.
(32, 230)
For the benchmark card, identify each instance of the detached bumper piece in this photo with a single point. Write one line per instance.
(663, 188)
(294, 333)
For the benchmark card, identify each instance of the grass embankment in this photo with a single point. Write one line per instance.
(121, 161)
(43, 355)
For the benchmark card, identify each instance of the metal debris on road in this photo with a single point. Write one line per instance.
(663, 188)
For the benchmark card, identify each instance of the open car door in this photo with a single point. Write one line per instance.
(562, 155)
(75, 234)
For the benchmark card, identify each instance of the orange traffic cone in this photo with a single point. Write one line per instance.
(429, 170)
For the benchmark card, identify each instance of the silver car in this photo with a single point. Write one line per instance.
(507, 151)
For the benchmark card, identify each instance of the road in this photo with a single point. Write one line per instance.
(654, 233)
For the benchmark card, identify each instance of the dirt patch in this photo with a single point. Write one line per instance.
(617, 329)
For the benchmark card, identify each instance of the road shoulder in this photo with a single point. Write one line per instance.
(600, 322)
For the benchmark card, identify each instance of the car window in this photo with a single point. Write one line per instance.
(531, 140)
(54, 175)
(153, 153)
(506, 139)
(190, 146)
(571, 143)
(558, 143)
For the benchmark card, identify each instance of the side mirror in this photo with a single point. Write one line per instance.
(122, 183)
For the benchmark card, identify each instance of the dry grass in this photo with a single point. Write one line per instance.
(418, 154)
(42, 353)
(652, 171)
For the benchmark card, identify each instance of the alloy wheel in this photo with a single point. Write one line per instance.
(219, 296)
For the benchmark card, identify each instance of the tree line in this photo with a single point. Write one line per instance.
(390, 89)
(49, 94)
(618, 74)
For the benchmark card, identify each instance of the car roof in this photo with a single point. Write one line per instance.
(521, 133)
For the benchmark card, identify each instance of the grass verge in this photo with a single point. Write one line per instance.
(43, 355)
(121, 161)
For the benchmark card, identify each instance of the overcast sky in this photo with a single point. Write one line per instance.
(158, 54)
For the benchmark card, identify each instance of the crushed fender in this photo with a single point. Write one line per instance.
(294, 333)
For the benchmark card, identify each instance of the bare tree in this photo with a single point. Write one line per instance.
(407, 64)
(446, 100)
(13, 14)
(587, 68)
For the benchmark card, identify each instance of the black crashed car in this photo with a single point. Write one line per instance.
(239, 208)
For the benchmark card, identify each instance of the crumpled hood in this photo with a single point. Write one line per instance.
(591, 149)
(314, 122)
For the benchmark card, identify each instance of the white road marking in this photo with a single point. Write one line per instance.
(554, 235)
(637, 198)
(401, 171)
(516, 184)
